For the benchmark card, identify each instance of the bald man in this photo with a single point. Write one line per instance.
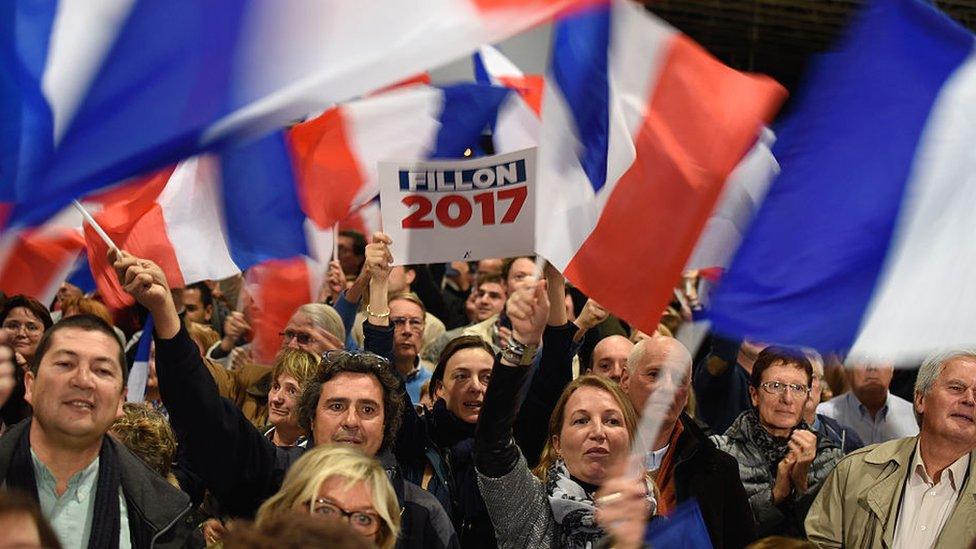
(609, 357)
(684, 461)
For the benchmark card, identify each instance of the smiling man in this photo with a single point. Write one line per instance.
(94, 492)
(915, 492)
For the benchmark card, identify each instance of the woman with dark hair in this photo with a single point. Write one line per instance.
(23, 321)
(782, 462)
(13, 407)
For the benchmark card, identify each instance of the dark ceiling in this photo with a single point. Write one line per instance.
(774, 37)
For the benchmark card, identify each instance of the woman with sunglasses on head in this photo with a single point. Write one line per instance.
(782, 463)
(339, 483)
(578, 494)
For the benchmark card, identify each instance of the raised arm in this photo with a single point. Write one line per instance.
(238, 464)
(515, 499)
(555, 371)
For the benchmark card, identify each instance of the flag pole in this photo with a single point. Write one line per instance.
(335, 241)
(98, 229)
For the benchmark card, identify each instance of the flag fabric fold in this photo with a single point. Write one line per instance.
(640, 129)
(869, 227)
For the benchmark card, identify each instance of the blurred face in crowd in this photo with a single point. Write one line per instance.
(664, 363)
(301, 332)
(593, 439)
(196, 311)
(610, 357)
(780, 398)
(340, 499)
(489, 266)
(816, 390)
(869, 382)
(347, 256)
(400, 280)
(24, 330)
(350, 411)
(7, 373)
(948, 409)
(466, 377)
(65, 292)
(78, 390)
(521, 269)
(489, 300)
(408, 329)
(283, 400)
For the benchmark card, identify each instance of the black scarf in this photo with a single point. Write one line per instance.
(106, 520)
(448, 428)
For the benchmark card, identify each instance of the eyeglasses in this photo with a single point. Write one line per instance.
(414, 324)
(778, 388)
(302, 337)
(366, 523)
(29, 327)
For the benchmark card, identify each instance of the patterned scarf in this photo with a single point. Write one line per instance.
(773, 449)
(572, 508)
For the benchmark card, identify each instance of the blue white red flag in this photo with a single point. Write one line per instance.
(337, 153)
(107, 89)
(640, 129)
(139, 373)
(517, 125)
(865, 241)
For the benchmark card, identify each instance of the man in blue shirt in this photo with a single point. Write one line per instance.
(869, 408)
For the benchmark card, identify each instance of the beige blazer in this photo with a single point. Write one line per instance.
(858, 504)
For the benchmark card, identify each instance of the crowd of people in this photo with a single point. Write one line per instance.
(483, 404)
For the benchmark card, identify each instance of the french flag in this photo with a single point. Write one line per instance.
(36, 261)
(865, 241)
(105, 90)
(641, 128)
(139, 373)
(336, 154)
(205, 218)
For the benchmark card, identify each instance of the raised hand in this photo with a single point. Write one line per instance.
(803, 445)
(528, 309)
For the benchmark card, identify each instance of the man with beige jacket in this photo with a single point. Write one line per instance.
(914, 492)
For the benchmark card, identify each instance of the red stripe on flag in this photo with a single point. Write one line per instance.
(703, 118)
(135, 223)
(529, 87)
(281, 287)
(422, 78)
(327, 171)
(37, 261)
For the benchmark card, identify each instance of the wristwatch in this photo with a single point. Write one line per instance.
(519, 353)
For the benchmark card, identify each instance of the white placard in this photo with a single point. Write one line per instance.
(450, 210)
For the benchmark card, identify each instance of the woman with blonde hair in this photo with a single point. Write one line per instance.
(580, 493)
(340, 483)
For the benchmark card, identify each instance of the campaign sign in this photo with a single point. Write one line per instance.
(449, 210)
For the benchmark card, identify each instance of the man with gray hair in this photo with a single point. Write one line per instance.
(913, 492)
(685, 463)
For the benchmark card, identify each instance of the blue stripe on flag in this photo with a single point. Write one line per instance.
(469, 109)
(164, 81)
(481, 75)
(807, 268)
(261, 208)
(142, 349)
(82, 275)
(579, 66)
(26, 123)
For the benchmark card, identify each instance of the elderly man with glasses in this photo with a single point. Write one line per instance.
(782, 463)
